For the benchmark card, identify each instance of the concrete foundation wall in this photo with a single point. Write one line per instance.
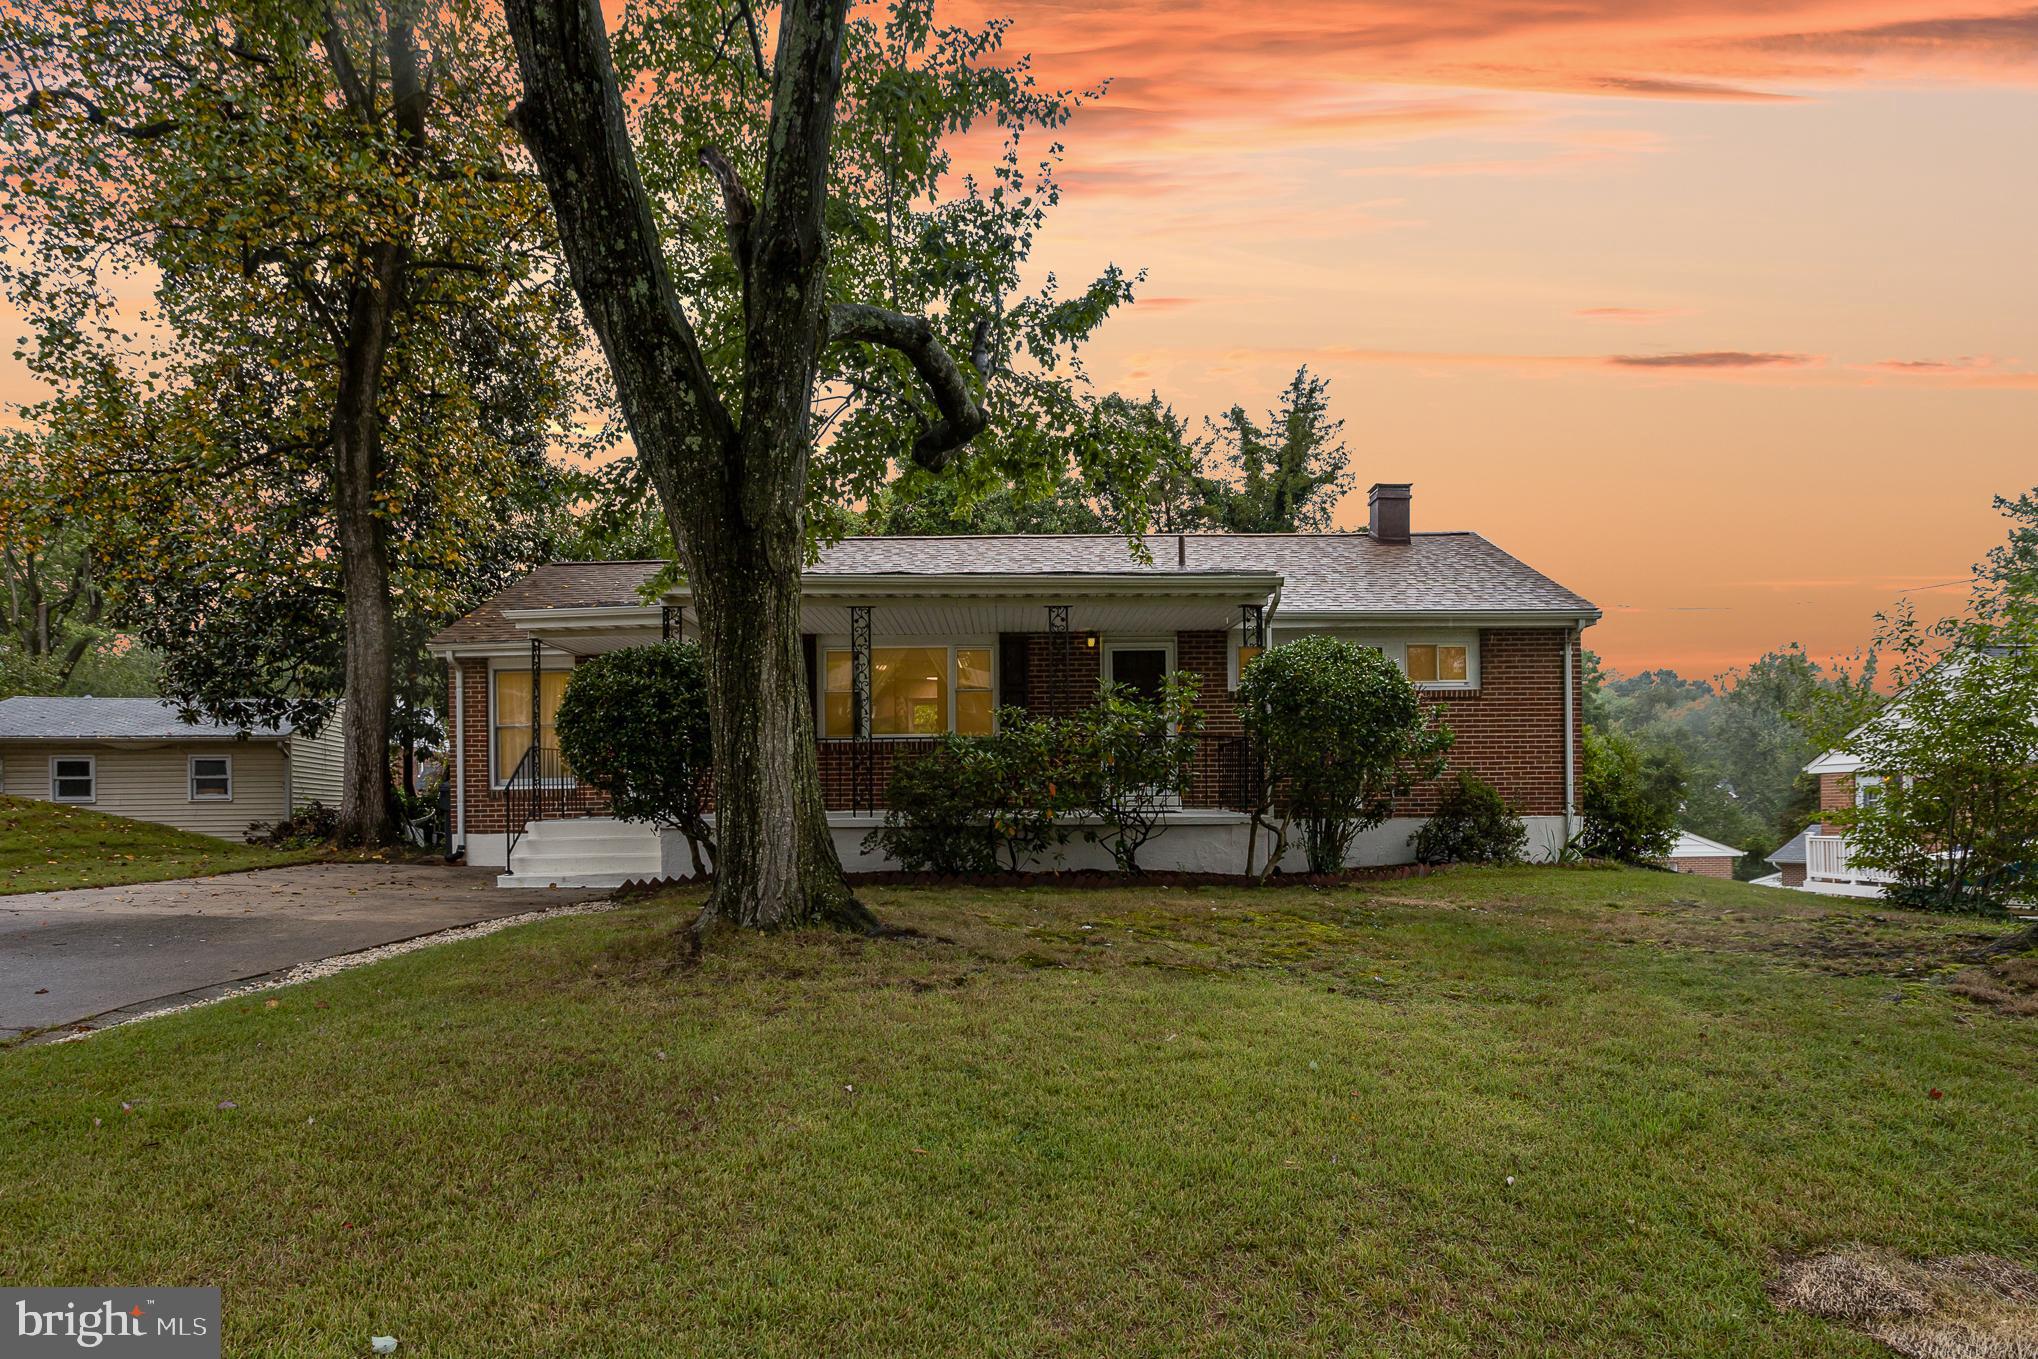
(1192, 842)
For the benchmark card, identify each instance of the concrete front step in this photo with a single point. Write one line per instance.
(596, 852)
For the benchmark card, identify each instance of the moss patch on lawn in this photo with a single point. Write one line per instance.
(1528, 1112)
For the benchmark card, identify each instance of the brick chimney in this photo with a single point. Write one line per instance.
(1387, 503)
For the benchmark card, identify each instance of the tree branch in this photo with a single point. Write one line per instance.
(756, 39)
(94, 114)
(351, 85)
(962, 419)
(572, 120)
(738, 210)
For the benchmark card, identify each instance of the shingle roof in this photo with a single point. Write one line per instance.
(1794, 851)
(555, 585)
(110, 719)
(1323, 572)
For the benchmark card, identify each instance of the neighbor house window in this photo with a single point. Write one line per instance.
(212, 778)
(914, 691)
(1433, 663)
(513, 715)
(74, 778)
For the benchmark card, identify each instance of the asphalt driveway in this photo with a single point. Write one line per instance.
(95, 953)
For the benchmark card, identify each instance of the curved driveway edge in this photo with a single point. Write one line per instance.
(67, 957)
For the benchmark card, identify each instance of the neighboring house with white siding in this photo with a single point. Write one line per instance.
(135, 757)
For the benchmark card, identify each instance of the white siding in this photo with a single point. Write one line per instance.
(151, 781)
(316, 770)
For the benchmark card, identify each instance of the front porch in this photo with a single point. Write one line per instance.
(891, 667)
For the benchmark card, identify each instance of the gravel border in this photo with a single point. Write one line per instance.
(342, 962)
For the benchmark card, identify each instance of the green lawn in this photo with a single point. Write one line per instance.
(1139, 1122)
(46, 845)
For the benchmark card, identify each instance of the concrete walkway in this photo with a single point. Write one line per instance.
(67, 958)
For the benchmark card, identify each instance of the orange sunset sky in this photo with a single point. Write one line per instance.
(1722, 312)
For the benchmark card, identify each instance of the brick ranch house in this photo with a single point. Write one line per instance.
(949, 629)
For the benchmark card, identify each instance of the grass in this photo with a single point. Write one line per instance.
(47, 845)
(1137, 1122)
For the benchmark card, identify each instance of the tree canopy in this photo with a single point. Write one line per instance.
(298, 309)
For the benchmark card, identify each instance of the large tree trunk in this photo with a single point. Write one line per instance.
(367, 812)
(775, 861)
(735, 501)
(734, 489)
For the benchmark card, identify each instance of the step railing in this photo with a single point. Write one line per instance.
(537, 791)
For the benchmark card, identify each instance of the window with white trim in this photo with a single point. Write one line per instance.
(74, 778)
(1439, 663)
(211, 778)
(914, 691)
(510, 715)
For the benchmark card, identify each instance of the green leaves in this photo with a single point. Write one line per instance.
(634, 725)
(1340, 733)
(909, 229)
(1631, 800)
(193, 296)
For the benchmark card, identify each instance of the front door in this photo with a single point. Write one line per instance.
(1140, 669)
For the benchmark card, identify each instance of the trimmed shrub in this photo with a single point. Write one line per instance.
(634, 724)
(1130, 761)
(939, 809)
(1339, 733)
(973, 803)
(1472, 825)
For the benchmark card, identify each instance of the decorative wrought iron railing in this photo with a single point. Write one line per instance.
(537, 791)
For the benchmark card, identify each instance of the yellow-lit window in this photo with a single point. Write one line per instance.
(513, 715)
(973, 715)
(1247, 655)
(909, 691)
(1430, 664)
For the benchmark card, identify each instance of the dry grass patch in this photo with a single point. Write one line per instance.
(2006, 984)
(1950, 1307)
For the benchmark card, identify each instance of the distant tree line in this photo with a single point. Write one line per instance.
(1725, 757)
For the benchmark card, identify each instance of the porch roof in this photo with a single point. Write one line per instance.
(927, 586)
(972, 604)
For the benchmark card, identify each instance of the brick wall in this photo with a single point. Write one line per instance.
(1793, 875)
(1215, 780)
(1509, 730)
(1836, 794)
(1046, 694)
(838, 768)
(1719, 867)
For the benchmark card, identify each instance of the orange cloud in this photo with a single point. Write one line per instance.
(1630, 315)
(1301, 71)
(1712, 359)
